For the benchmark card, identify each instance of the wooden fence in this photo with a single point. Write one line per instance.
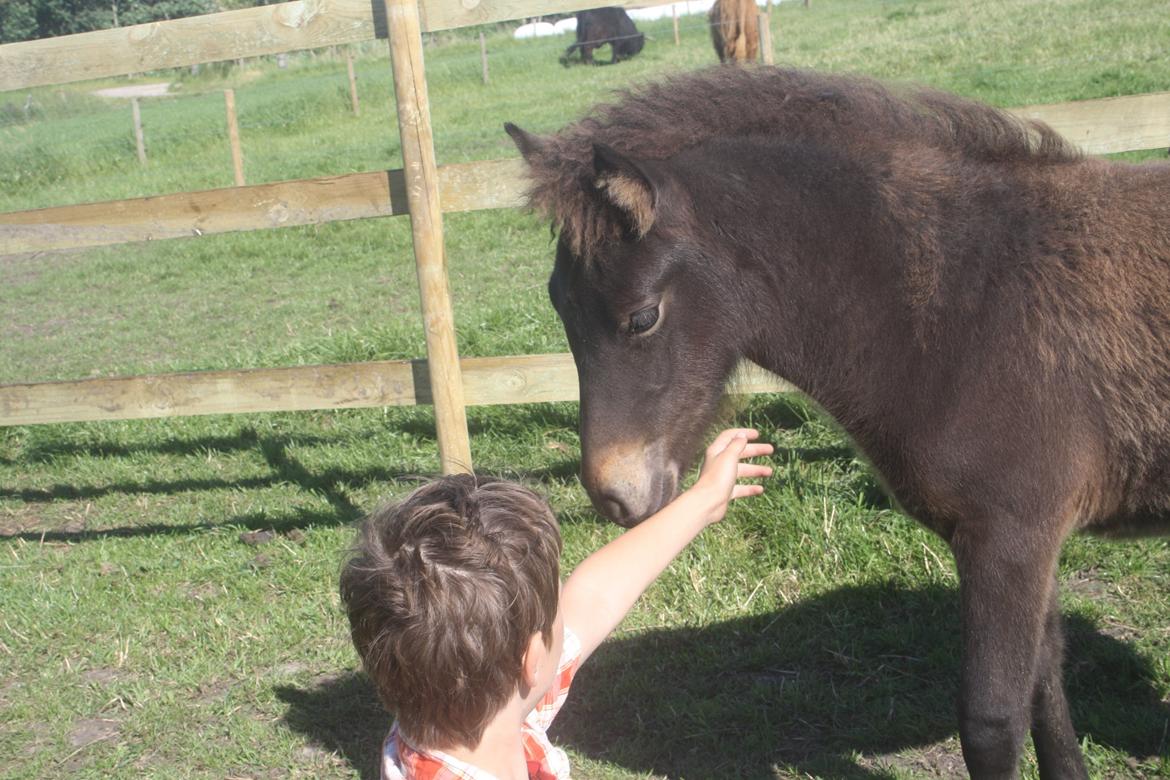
(422, 190)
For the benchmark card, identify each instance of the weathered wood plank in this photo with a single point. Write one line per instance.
(750, 379)
(486, 381)
(519, 379)
(426, 227)
(463, 187)
(250, 32)
(210, 392)
(1108, 125)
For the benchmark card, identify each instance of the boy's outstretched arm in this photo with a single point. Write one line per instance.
(601, 590)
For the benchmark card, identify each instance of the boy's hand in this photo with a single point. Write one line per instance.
(604, 586)
(718, 481)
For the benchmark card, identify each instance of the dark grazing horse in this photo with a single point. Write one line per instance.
(600, 26)
(983, 310)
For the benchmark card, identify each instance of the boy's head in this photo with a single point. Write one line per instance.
(444, 592)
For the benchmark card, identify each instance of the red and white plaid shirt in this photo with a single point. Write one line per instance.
(403, 761)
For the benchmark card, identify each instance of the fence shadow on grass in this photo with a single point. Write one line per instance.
(867, 671)
(275, 450)
(278, 451)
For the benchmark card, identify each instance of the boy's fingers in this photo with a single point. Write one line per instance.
(744, 491)
(732, 449)
(749, 470)
(726, 437)
(756, 450)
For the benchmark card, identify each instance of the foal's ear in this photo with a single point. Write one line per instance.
(526, 142)
(627, 185)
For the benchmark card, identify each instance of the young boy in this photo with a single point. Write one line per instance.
(457, 611)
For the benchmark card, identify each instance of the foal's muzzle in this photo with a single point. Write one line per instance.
(629, 481)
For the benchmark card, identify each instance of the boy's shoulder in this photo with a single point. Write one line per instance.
(547, 708)
(400, 761)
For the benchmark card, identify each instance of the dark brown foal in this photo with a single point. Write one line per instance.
(983, 310)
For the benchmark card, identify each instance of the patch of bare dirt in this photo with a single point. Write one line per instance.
(7, 687)
(19, 520)
(28, 267)
(262, 561)
(942, 760)
(40, 741)
(30, 518)
(1122, 632)
(257, 538)
(1087, 583)
(90, 730)
(207, 591)
(290, 669)
(213, 691)
(103, 676)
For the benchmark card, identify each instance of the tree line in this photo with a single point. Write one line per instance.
(23, 20)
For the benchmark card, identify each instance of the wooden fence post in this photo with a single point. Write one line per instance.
(353, 95)
(483, 56)
(426, 224)
(766, 38)
(674, 13)
(136, 113)
(229, 96)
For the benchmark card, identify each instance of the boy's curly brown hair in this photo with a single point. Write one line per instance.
(444, 591)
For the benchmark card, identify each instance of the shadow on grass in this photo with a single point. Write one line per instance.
(517, 420)
(331, 484)
(788, 412)
(866, 671)
(340, 713)
(335, 485)
(314, 482)
(286, 469)
(48, 451)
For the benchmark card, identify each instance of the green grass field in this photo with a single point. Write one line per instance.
(148, 626)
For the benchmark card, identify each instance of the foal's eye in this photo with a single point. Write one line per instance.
(643, 319)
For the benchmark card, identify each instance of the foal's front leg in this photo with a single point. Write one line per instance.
(1005, 583)
(1057, 751)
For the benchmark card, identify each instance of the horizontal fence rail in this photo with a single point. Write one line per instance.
(1101, 126)
(250, 32)
(228, 35)
(486, 381)
(463, 187)
(1109, 125)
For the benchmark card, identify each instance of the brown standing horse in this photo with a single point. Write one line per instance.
(735, 30)
(983, 310)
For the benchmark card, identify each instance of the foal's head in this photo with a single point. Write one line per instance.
(683, 203)
(652, 320)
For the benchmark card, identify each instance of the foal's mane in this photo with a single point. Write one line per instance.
(659, 120)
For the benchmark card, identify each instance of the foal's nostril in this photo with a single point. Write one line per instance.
(613, 507)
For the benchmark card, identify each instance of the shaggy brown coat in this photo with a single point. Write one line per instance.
(984, 311)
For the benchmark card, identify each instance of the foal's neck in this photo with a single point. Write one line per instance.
(811, 229)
